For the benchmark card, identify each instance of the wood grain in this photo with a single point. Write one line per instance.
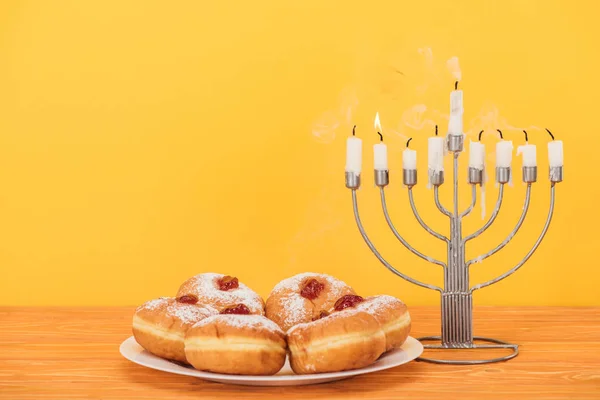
(73, 353)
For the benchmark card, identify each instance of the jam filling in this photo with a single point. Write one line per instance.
(312, 289)
(349, 300)
(228, 283)
(188, 299)
(237, 309)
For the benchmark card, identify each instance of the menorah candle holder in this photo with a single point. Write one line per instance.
(457, 294)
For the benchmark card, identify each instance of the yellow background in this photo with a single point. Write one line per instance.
(142, 142)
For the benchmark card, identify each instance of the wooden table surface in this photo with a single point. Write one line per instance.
(73, 353)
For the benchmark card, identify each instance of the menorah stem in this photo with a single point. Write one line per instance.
(492, 217)
(399, 237)
(455, 177)
(511, 235)
(379, 257)
(530, 253)
(456, 305)
(420, 220)
(436, 196)
(473, 201)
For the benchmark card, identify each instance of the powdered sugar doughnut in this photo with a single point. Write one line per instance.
(392, 315)
(303, 298)
(236, 344)
(354, 334)
(160, 325)
(221, 291)
(344, 340)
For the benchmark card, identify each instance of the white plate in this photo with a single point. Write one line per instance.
(410, 350)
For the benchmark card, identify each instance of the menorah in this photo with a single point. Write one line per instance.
(457, 296)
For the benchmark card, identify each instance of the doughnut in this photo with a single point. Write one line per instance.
(160, 325)
(304, 298)
(344, 340)
(392, 315)
(221, 291)
(217, 324)
(236, 344)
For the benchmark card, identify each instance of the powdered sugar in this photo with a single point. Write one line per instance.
(186, 313)
(296, 309)
(243, 321)
(376, 303)
(206, 287)
(335, 315)
(371, 305)
(153, 304)
(335, 288)
(189, 313)
(293, 283)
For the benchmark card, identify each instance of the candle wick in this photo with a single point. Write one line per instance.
(526, 137)
(407, 142)
(480, 135)
(500, 132)
(380, 136)
(456, 85)
(436, 133)
(551, 135)
(354, 131)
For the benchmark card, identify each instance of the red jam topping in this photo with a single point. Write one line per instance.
(228, 283)
(349, 300)
(237, 309)
(312, 289)
(188, 299)
(323, 314)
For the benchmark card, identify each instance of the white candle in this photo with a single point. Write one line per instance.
(555, 153)
(456, 102)
(380, 156)
(409, 159)
(455, 124)
(504, 150)
(476, 155)
(529, 155)
(353, 155)
(436, 153)
(380, 149)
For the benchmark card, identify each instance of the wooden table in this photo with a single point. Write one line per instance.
(72, 353)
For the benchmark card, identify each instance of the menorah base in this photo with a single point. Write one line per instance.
(497, 344)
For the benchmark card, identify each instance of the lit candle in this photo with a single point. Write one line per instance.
(409, 157)
(380, 149)
(477, 154)
(529, 153)
(435, 152)
(353, 153)
(555, 152)
(504, 150)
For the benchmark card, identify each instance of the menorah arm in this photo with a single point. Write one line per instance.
(374, 250)
(399, 237)
(473, 201)
(511, 235)
(528, 255)
(421, 222)
(492, 217)
(439, 205)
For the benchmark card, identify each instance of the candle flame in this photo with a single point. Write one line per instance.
(377, 123)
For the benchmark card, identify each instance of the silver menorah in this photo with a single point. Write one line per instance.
(457, 296)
